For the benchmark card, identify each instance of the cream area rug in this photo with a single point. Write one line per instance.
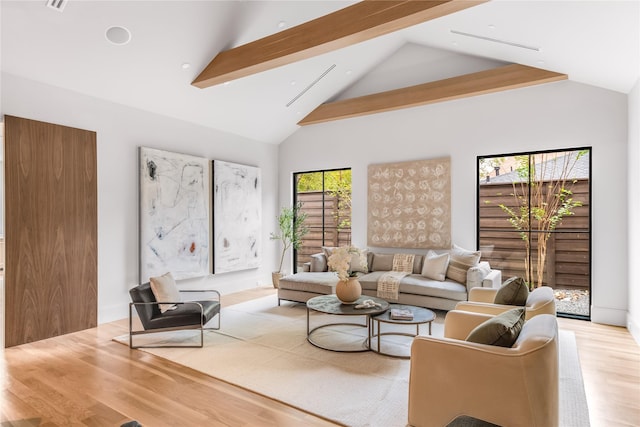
(263, 347)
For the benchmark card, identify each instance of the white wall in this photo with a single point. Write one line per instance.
(633, 194)
(552, 116)
(120, 131)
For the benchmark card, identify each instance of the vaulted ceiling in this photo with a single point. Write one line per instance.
(591, 42)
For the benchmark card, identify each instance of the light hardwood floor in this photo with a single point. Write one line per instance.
(86, 379)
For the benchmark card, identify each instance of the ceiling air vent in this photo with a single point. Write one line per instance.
(57, 4)
(312, 84)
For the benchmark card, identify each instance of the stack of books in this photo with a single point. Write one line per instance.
(400, 314)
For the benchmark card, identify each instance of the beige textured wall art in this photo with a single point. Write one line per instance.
(410, 204)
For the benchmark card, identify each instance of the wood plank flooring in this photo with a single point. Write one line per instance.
(610, 361)
(86, 379)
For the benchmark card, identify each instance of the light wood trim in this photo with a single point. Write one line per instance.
(499, 79)
(354, 24)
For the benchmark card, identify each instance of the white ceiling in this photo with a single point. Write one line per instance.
(594, 42)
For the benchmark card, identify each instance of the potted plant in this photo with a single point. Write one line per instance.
(348, 288)
(291, 231)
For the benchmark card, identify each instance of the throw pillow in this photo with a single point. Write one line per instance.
(502, 330)
(514, 291)
(403, 263)
(477, 273)
(460, 260)
(359, 261)
(382, 262)
(328, 250)
(164, 289)
(435, 266)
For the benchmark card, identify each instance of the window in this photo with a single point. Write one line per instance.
(534, 221)
(325, 197)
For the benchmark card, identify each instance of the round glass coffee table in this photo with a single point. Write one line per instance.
(342, 340)
(420, 317)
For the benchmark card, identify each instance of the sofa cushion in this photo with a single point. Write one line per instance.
(416, 284)
(501, 330)
(185, 315)
(328, 250)
(319, 263)
(403, 263)
(316, 282)
(384, 262)
(164, 289)
(461, 260)
(359, 261)
(514, 291)
(477, 273)
(435, 266)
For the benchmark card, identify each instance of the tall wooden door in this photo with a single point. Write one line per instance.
(50, 230)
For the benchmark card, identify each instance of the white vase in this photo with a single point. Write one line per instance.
(348, 291)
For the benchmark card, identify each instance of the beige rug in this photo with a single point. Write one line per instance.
(263, 348)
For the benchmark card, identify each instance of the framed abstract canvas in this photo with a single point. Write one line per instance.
(237, 216)
(175, 214)
(410, 204)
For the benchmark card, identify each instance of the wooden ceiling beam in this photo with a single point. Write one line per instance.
(499, 79)
(354, 24)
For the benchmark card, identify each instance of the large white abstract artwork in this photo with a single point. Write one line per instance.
(175, 214)
(237, 216)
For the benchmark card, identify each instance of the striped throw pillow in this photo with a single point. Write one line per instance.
(461, 260)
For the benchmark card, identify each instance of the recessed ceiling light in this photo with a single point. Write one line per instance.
(348, 72)
(282, 24)
(492, 27)
(293, 82)
(118, 35)
(186, 66)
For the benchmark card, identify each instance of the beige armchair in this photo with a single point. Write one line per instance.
(515, 386)
(540, 301)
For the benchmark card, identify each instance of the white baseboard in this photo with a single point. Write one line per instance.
(634, 328)
(609, 316)
(226, 285)
(113, 313)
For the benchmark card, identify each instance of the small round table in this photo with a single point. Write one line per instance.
(420, 316)
(330, 304)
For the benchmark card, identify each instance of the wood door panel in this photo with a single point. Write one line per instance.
(51, 230)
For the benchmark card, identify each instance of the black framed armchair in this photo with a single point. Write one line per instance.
(185, 315)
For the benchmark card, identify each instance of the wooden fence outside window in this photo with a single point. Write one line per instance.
(568, 260)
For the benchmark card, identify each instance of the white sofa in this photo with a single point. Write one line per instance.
(415, 289)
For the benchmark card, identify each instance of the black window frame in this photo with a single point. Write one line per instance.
(590, 209)
(295, 201)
